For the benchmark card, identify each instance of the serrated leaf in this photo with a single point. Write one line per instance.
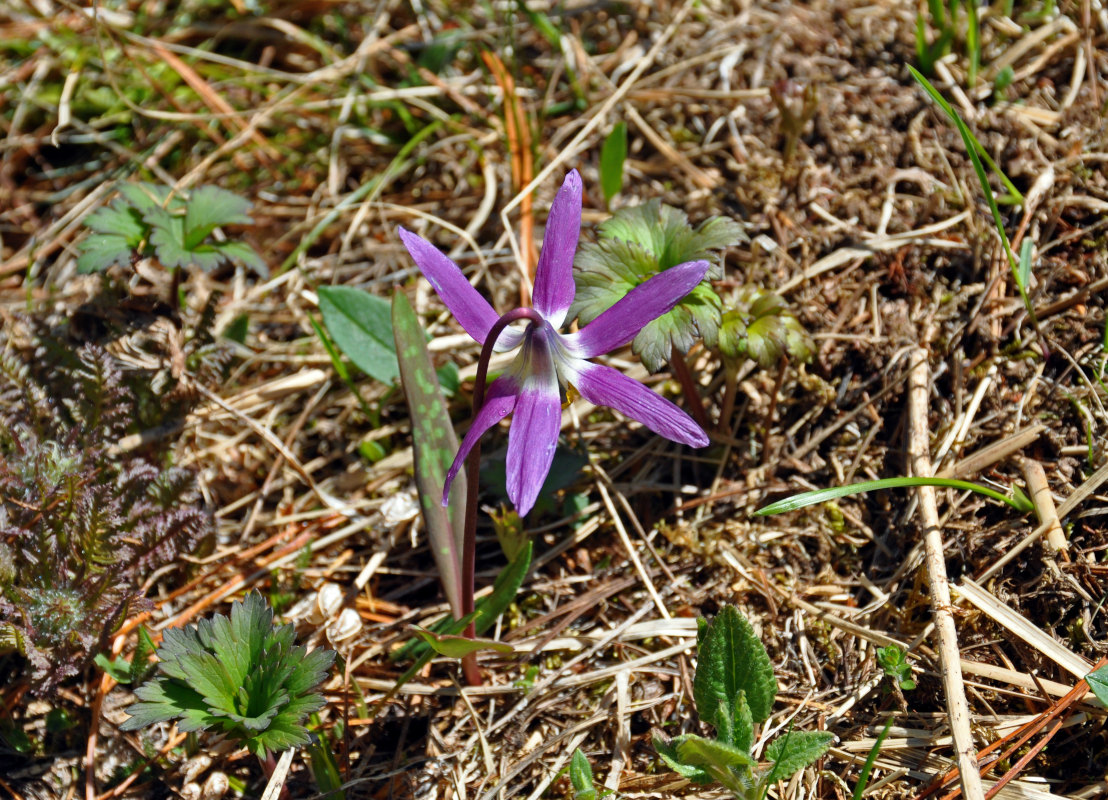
(162, 700)
(453, 646)
(668, 752)
(580, 775)
(361, 326)
(118, 219)
(145, 197)
(733, 659)
(434, 444)
(638, 243)
(612, 155)
(167, 235)
(699, 752)
(98, 251)
(1098, 683)
(210, 207)
(794, 751)
(242, 252)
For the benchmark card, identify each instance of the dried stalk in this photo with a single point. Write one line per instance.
(935, 564)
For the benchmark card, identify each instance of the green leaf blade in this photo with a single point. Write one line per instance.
(732, 659)
(612, 155)
(794, 751)
(361, 326)
(209, 208)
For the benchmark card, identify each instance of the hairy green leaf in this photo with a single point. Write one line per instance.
(361, 326)
(794, 751)
(668, 750)
(580, 775)
(733, 659)
(697, 751)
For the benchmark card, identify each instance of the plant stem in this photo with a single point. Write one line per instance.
(473, 460)
(689, 388)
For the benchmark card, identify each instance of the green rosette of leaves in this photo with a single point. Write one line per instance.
(240, 676)
(636, 244)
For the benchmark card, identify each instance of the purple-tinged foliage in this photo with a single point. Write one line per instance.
(549, 360)
(83, 525)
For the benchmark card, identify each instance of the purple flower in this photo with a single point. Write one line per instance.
(548, 359)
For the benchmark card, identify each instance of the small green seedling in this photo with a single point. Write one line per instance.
(580, 775)
(240, 675)
(734, 689)
(894, 663)
(148, 219)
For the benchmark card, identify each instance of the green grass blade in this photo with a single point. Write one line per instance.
(823, 495)
(867, 768)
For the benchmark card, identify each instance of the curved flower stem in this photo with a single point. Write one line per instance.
(469, 538)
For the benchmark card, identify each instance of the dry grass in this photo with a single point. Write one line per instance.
(874, 231)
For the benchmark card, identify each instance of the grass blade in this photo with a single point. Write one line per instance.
(823, 495)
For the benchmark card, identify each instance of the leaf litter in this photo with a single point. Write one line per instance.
(874, 234)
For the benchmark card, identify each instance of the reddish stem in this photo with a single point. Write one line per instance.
(473, 460)
(689, 388)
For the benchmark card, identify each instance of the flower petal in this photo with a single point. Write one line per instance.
(645, 303)
(499, 402)
(554, 287)
(465, 303)
(604, 386)
(537, 421)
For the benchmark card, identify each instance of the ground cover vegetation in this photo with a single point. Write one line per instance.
(786, 480)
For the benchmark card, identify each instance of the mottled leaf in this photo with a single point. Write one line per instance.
(434, 444)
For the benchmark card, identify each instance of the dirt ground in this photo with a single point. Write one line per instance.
(340, 121)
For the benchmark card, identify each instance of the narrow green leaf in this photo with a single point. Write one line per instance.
(822, 495)
(453, 646)
(730, 660)
(794, 751)
(580, 775)
(434, 445)
(867, 768)
(141, 665)
(612, 155)
(361, 327)
(118, 668)
(1023, 275)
